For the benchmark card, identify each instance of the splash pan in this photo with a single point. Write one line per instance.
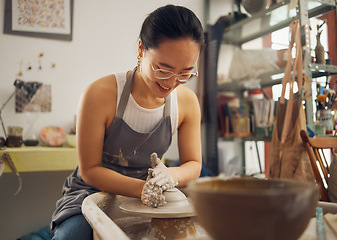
(109, 221)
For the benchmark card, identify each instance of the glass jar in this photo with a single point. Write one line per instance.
(324, 118)
(31, 112)
(14, 136)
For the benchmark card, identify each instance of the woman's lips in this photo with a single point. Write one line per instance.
(163, 88)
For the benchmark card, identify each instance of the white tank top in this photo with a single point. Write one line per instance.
(141, 119)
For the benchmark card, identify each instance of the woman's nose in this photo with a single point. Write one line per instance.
(173, 80)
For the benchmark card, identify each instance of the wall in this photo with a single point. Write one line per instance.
(105, 36)
(104, 41)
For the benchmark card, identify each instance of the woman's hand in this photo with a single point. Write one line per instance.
(152, 195)
(158, 181)
(160, 174)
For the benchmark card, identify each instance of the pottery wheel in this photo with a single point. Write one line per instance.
(136, 207)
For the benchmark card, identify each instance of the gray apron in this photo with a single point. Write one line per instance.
(124, 151)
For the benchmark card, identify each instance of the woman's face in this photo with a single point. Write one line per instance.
(176, 56)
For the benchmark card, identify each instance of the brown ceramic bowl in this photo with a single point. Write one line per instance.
(251, 208)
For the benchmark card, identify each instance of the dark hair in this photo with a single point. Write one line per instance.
(170, 22)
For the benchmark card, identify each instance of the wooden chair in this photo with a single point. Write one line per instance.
(319, 163)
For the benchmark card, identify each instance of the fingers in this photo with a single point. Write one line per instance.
(154, 159)
(160, 168)
(159, 174)
(152, 195)
(161, 181)
(164, 180)
(149, 174)
(158, 180)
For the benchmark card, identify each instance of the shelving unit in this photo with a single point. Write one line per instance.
(271, 78)
(265, 22)
(274, 18)
(40, 159)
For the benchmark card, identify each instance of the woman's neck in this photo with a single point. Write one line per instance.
(143, 95)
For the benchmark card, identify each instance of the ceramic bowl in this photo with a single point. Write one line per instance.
(53, 136)
(251, 208)
(71, 139)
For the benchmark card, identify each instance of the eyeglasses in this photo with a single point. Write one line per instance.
(165, 74)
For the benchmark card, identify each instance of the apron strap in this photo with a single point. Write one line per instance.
(167, 107)
(125, 97)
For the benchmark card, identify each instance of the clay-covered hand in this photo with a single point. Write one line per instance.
(160, 175)
(152, 195)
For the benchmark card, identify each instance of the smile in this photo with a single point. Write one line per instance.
(161, 86)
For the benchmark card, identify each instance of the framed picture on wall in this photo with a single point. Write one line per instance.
(40, 18)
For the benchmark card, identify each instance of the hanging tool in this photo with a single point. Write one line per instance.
(5, 157)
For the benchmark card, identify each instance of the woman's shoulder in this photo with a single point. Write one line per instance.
(106, 82)
(101, 92)
(188, 102)
(186, 94)
(102, 86)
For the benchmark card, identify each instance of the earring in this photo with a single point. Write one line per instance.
(139, 61)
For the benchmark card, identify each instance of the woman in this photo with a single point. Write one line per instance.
(123, 118)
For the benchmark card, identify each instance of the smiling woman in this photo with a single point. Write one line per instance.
(168, 65)
(125, 117)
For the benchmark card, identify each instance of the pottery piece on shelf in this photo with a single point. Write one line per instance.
(53, 136)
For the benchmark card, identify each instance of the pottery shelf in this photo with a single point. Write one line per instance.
(38, 159)
(272, 19)
(275, 77)
(258, 25)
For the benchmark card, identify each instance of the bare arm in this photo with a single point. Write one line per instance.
(95, 113)
(189, 138)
